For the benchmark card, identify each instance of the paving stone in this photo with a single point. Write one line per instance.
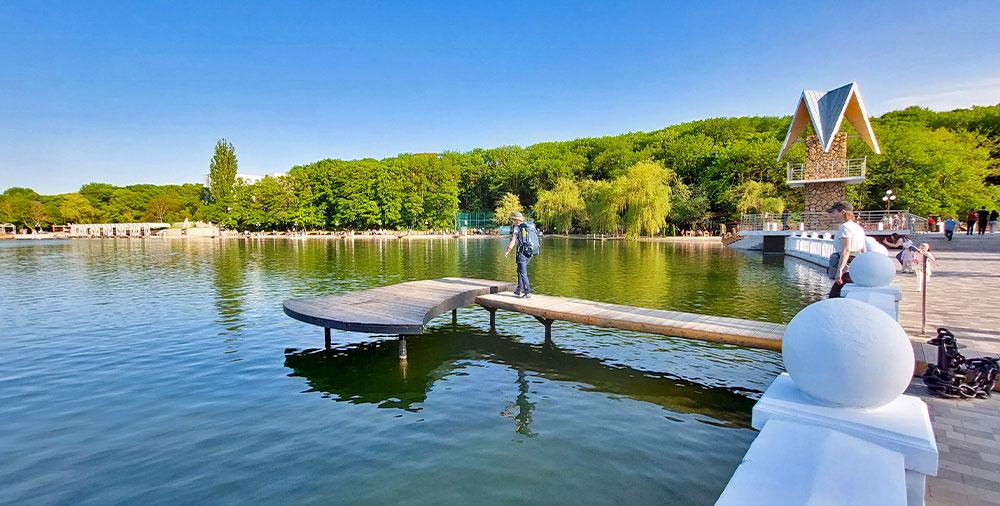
(968, 472)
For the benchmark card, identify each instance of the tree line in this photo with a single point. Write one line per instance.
(639, 183)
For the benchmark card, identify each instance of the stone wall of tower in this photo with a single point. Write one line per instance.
(818, 197)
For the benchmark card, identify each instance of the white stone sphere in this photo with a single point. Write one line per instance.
(848, 353)
(872, 269)
(873, 245)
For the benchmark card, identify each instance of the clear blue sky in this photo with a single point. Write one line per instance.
(139, 92)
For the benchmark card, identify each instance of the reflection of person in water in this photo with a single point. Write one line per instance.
(524, 408)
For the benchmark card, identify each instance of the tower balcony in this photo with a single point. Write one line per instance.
(846, 170)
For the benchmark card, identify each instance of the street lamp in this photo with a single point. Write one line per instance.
(888, 198)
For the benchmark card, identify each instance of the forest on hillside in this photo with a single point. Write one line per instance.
(641, 183)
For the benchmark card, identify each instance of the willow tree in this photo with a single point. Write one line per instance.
(758, 196)
(561, 205)
(509, 204)
(601, 211)
(642, 195)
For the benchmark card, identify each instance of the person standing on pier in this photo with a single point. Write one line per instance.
(848, 242)
(521, 255)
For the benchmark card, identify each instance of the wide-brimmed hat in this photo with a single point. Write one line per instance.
(843, 205)
(517, 216)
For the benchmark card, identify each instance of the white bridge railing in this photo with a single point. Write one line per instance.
(814, 246)
(869, 220)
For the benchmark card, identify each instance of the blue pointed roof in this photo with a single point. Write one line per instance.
(826, 112)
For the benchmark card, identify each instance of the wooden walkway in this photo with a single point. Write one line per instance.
(402, 309)
(753, 334)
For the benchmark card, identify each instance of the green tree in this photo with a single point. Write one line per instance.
(755, 196)
(159, 207)
(602, 210)
(77, 209)
(560, 206)
(36, 215)
(509, 205)
(222, 177)
(642, 194)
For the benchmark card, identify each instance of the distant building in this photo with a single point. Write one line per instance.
(247, 179)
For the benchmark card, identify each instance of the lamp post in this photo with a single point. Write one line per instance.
(888, 198)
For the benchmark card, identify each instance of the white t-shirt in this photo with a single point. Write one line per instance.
(853, 232)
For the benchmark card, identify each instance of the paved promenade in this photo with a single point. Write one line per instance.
(963, 292)
(963, 296)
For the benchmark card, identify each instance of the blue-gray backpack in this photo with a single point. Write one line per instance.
(528, 242)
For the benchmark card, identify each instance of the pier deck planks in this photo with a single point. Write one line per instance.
(402, 308)
(753, 334)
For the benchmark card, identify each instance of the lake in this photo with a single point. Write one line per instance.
(165, 372)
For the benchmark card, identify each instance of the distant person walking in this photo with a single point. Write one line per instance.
(970, 221)
(984, 218)
(521, 255)
(949, 227)
(849, 241)
(784, 219)
(993, 221)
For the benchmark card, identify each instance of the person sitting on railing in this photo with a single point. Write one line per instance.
(848, 242)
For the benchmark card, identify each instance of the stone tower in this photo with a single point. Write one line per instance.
(827, 171)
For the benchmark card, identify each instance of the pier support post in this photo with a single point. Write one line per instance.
(548, 327)
(402, 348)
(326, 336)
(454, 317)
(493, 317)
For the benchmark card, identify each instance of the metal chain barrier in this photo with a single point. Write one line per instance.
(955, 376)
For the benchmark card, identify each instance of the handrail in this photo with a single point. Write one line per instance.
(833, 169)
(869, 220)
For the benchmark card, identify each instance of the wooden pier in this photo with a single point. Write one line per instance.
(401, 309)
(752, 334)
(405, 308)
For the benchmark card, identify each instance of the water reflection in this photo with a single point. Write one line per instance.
(370, 373)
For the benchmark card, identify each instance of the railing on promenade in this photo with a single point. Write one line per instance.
(869, 220)
(844, 168)
(812, 244)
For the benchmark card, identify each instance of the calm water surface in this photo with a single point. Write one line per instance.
(159, 372)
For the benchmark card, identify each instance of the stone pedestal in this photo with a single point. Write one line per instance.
(794, 463)
(902, 426)
(885, 298)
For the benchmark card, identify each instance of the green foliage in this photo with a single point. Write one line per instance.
(75, 208)
(509, 205)
(560, 206)
(684, 175)
(756, 197)
(642, 194)
(602, 211)
(222, 178)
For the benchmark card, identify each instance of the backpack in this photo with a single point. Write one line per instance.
(528, 241)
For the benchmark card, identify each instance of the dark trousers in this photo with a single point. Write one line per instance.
(982, 226)
(972, 226)
(523, 285)
(949, 233)
(835, 289)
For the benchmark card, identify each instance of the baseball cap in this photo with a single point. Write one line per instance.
(842, 205)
